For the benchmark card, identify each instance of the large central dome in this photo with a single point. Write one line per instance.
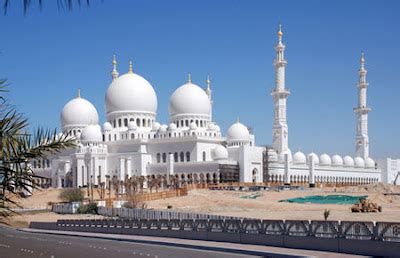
(189, 99)
(131, 93)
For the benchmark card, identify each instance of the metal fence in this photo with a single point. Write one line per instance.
(66, 208)
(137, 213)
(379, 231)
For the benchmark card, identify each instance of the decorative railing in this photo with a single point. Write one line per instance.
(379, 231)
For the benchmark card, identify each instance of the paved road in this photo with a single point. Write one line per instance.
(14, 243)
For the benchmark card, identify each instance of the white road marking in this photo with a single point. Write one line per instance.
(5, 246)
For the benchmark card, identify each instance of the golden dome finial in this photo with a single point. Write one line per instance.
(130, 67)
(189, 77)
(362, 59)
(78, 95)
(208, 81)
(280, 33)
(114, 60)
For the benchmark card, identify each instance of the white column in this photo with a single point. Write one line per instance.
(311, 166)
(280, 133)
(362, 110)
(121, 169)
(170, 168)
(287, 170)
(129, 166)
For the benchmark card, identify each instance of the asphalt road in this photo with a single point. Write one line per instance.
(14, 243)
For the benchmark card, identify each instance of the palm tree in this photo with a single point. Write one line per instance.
(62, 4)
(18, 148)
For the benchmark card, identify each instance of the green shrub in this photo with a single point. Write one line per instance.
(71, 195)
(90, 208)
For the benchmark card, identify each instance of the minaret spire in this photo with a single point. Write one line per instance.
(114, 73)
(78, 95)
(209, 94)
(362, 110)
(189, 78)
(280, 94)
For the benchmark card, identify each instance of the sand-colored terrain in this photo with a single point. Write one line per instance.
(229, 203)
(268, 206)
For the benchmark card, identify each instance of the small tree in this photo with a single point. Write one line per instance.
(326, 214)
(71, 195)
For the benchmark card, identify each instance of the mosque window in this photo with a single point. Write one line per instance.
(132, 136)
(181, 123)
(99, 174)
(204, 156)
(48, 163)
(164, 157)
(126, 122)
(144, 122)
(148, 123)
(187, 122)
(182, 157)
(39, 164)
(115, 137)
(187, 156)
(104, 138)
(169, 134)
(158, 157)
(191, 120)
(176, 157)
(109, 137)
(197, 122)
(201, 123)
(114, 123)
(138, 122)
(131, 119)
(34, 164)
(119, 122)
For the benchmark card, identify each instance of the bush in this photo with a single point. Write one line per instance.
(71, 195)
(326, 214)
(90, 208)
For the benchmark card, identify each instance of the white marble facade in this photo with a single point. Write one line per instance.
(132, 142)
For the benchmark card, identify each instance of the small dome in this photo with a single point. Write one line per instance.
(172, 126)
(131, 93)
(369, 163)
(156, 126)
(219, 153)
(359, 162)
(348, 161)
(337, 161)
(163, 128)
(79, 112)
(193, 126)
(325, 160)
(189, 99)
(299, 158)
(217, 128)
(91, 134)
(132, 125)
(315, 158)
(107, 126)
(211, 126)
(238, 132)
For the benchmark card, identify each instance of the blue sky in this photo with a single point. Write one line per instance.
(47, 55)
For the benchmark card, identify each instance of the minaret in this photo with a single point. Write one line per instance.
(280, 94)
(114, 73)
(209, 94)
(130, 67)
(362, 141)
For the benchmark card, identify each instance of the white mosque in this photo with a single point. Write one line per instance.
(192, 148)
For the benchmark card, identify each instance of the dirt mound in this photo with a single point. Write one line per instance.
(373, 188)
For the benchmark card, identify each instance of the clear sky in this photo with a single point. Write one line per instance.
(47, 55)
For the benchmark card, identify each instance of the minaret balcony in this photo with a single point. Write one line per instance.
(362, 85)
(281, 93)
(362, 110)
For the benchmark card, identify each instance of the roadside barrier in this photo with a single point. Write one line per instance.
(365, 238)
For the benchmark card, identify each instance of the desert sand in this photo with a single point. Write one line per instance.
(229, 203)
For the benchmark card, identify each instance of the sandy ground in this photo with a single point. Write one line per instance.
(268, 206)
(229, 203)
